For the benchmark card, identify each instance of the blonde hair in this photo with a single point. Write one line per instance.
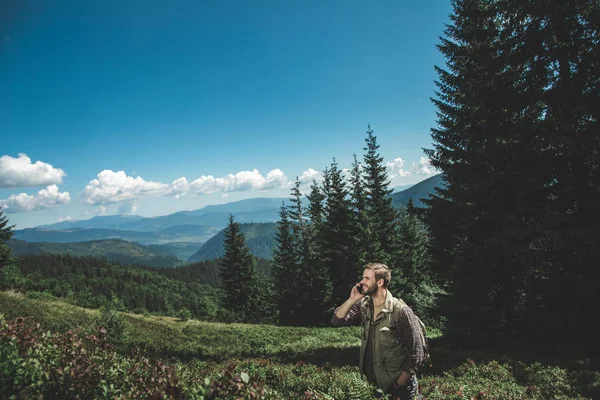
(381, 272)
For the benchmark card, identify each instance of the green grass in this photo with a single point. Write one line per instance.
(297, 360)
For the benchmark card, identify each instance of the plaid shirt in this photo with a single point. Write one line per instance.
(408, 332)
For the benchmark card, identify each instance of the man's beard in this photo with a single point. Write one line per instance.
(371, 290)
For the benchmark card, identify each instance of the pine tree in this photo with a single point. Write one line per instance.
(512, 228)
(413, 281)
(366, 247)
(238, 275)
(6, 232)
(381, 214)
(286, 269)
(338, 234)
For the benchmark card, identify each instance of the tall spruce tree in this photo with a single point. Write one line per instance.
(338, 234)
(238, 275)
(508, 230)
(382, 216)
(286, 270)
(366, 246)
(6, 232)
(316, 284)
(413, 281)
(474, 218)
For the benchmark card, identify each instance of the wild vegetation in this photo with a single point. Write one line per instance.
(166, 356)
(502, 259)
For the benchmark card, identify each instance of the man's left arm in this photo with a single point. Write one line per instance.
(410, 332)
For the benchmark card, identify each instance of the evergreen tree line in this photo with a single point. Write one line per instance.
(93, 282)
(326, 237)
(512, 237)
(515, 232)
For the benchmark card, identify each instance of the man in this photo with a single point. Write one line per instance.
(393, 345)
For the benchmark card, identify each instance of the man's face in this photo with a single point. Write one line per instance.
(368, 283)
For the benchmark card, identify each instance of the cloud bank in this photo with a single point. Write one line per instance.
(45, 198)
(114, 187)
(424, 167)
(21, 172)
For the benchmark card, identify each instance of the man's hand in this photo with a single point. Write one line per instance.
(403, 379)
(355, 295)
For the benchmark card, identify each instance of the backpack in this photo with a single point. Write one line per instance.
(422, 333)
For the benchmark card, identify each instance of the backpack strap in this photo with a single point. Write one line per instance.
(399, 305)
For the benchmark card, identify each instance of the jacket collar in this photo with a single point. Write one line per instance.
(388, 304)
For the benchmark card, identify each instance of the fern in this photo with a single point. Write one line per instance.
(358, 388)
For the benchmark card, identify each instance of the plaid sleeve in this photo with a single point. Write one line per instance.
(352, 318)
(409, 332)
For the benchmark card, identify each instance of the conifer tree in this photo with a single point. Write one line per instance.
(511, 231)
(413, 282)
(286, 269)
(238, 274)
(366, 245)
(6, 232)
(338, 234)
(381, 214)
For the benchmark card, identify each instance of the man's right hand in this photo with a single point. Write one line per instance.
(342, 311)
(355, 295)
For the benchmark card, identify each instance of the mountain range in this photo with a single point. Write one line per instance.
(260, 238)
(187, 235)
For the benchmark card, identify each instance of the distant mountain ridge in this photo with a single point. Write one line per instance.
(181, 233)
(421, 190)
(260, 238)
(248, 210)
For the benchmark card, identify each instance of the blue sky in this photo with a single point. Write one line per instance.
(153, 107)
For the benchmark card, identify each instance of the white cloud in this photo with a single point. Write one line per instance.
(179, 187)
(127, 207)
(114, 187)
(45, 198)
(424, 167)
(310, 174)
(100, 210)
(395, 168)
(20, 172)
(64, 219)
(242, 181)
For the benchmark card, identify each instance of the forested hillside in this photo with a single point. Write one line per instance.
(259, 237)
(121, 251)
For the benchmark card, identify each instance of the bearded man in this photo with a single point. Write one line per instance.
(393, 345)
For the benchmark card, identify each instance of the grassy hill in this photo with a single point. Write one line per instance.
(259, 237)
(121, 251)
(234, 359)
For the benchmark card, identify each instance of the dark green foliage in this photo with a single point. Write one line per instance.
(111, 320)
(381, 214)
(412, 280)
(184, 314)
(364, 247)
(512, 232)
(338, 234)
(301, 278)
(6, 232)
(246, 294)
(286, 269)
(91, 282)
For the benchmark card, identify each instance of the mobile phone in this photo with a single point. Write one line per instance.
(359, 288)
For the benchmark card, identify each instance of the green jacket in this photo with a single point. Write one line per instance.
(389, 355)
